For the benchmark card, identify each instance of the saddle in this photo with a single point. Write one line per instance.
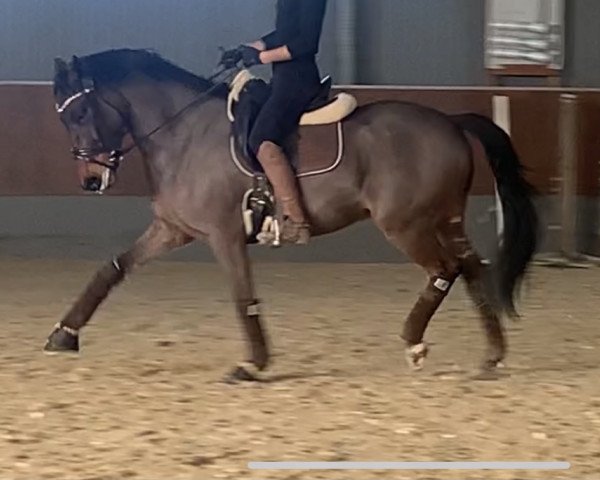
(314, 149)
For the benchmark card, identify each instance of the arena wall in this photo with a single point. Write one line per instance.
(43, 209)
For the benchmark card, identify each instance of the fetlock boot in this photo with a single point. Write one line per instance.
(295, 227)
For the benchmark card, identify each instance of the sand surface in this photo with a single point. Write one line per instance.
(145, 400)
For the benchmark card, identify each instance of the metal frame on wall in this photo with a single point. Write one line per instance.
(525, 38)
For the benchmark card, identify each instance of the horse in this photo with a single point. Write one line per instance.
(406, 167)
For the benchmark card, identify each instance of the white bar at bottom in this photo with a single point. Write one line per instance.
(409, 465)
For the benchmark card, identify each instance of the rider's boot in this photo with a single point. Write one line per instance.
(295, 226)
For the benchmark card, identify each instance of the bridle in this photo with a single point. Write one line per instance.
(90, 155)
(116, 155)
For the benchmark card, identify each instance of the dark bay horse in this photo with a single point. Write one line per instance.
(406, 167)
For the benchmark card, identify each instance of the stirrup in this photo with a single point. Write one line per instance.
(270, 234)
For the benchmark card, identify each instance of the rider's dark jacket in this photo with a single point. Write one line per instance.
(295, 83)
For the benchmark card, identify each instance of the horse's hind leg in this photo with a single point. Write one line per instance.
(473, 271)
(422, 245)
(160, 238)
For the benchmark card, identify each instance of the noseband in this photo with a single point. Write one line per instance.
(89, 155)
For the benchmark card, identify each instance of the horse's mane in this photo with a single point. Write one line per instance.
(113, 66)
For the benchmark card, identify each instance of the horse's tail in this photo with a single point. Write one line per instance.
(520, 237)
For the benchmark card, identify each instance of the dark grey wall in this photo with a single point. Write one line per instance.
(583, 43)
(189, 32)
(424, 42)
(439, 42)
(419, 42)
(97, 228)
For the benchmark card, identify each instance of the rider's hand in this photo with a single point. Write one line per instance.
(250, 56)
(231, 58)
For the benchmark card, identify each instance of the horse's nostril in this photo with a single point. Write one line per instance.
(92, 184)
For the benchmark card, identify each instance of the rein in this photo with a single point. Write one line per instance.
(199, 99)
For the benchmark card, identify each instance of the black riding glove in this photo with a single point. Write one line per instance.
(231, 58)
(250, 56)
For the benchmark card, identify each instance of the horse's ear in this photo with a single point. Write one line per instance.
(61, 75)
(74, 75)
(60, 66)
(75, 63)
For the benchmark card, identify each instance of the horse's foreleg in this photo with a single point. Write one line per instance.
(229, 248)
(157, 240)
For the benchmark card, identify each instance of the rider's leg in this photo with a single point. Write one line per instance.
(276, 121)
(296, 228)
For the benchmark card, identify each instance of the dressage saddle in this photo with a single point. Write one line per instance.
(248, 95)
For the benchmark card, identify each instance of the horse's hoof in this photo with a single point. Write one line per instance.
(244, 372)
(61, 340)
(490, 371)
(416, 355)
(492, 365)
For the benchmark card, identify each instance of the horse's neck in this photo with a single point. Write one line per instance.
(152, 105)
(155, 105)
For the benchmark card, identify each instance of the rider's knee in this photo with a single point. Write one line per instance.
(265, 149)
(256, 141)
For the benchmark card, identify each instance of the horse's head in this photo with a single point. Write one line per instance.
(95, 124)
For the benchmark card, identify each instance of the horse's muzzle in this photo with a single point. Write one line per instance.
(92, 184)
(96, 174)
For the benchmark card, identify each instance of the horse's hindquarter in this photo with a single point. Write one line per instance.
(333, 199)
(413, 160)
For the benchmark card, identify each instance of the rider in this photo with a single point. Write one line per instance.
(292, 49)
